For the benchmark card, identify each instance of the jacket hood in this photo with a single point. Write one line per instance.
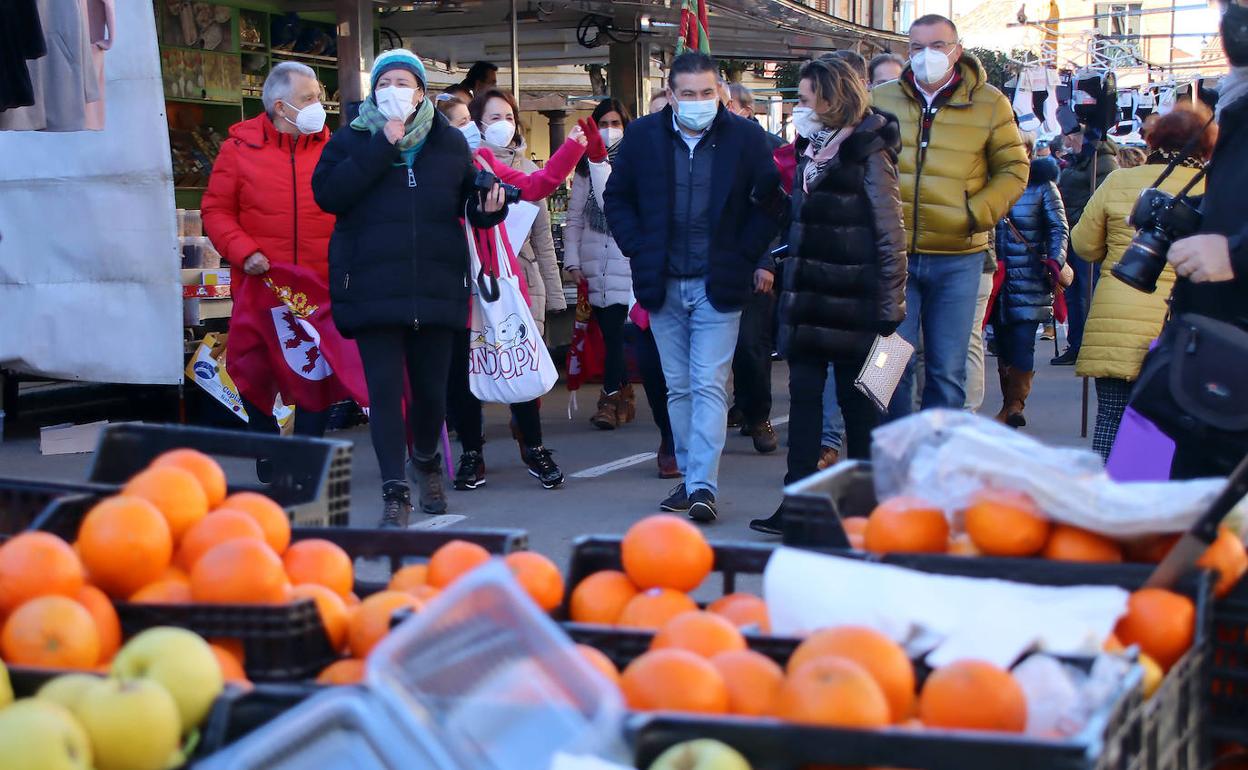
(1043, 171)
(877, 131)
(259, 131)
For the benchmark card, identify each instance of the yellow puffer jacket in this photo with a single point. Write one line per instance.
(1123, 321)
(955, 190)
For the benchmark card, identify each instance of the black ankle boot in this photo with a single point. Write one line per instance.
(397, 505)
(428, 477)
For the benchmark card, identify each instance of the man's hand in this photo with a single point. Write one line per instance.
(763, 281)
(493, 200)
(256, 264)
(395, 130)
(1202, 258)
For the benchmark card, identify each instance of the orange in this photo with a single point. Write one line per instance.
(163, 592)
(203, 467)
(334, 614)
(1150, 549)
(601, 662)
(832, 692)
(855, 525)
(703, 633)
(746, 611)
(883, 659)
(214, 529)
(51, 632)
(453, 560)
(674, 680)
(425, 593)
(1067, 543)
(271, 517)
(1161, 622)
(37, 564)
(371, 620)
(961, 545)
(176, 574)
(231, 668)
(321, 562)
(651, 609)
(663, 551)
(1228, 558)
(125, 544)
(107, 624)
(352, 600)
(348, 671)
(409, 577)
(175, 492)
(753, 680)
(973, 695)
(906, 525)
(1003, 522)
(601, 597)
(538, 576)
(243, 571)
(233, 646)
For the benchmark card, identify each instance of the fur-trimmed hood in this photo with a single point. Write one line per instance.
(1043, 171)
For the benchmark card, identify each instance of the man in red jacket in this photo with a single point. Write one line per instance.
(259, 211)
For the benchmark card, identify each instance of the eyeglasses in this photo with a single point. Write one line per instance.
(940, 46)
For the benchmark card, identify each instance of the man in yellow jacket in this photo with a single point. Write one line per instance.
(962, 166)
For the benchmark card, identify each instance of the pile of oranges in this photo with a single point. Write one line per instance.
(1008, 524)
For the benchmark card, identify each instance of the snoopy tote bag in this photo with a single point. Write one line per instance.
(507, 359)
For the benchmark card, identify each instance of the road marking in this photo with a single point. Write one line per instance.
(637, 459)
(439, 522)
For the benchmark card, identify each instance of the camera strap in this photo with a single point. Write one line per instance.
(1188, 150)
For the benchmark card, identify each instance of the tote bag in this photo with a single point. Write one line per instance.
(507, 359)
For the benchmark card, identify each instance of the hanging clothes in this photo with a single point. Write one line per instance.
(101, 32)
(64, 81)
(21, 39)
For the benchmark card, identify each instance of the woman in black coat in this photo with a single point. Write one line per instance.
(844, 281)
(1031, 247)
(399, 179)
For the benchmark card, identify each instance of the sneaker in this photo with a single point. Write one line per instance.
(702, 506)
(397, 505)
(736, 418)
(427, 476)
(470, 473)
(765, 439)
(1066, 359)
(677, 501)
(542, 467)
(772, 525)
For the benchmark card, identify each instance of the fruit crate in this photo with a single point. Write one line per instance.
(1228, 667)
(22, 501)
(309, 477)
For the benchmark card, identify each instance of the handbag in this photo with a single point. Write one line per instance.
(1194, 385)
(882, 371)
(507, 359)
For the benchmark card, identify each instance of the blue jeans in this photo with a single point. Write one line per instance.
(833, 421)
(1077, 294)
(696, 344)
(1016, 345)
(940, 304)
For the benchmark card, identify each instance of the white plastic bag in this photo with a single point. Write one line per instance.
(946, 456)
(507, 359)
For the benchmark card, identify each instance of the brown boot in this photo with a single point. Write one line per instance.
(1003, 372)
(608, 415)
(1020, 389)
(627, 404)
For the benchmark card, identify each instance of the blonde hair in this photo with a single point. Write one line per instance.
(1130, 157)
(837, 83)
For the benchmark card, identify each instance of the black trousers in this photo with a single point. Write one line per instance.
(611, 321)
(307, 423)
(425, 356)
(751, 364)
(465, 408)
(655, 384)
(806, 382)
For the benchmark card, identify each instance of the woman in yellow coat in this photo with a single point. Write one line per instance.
(1124, 321)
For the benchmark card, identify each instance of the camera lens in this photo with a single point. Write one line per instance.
(1143, 261)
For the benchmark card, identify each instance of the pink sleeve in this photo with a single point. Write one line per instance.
(544, 181)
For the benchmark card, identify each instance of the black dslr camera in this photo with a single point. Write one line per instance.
(1161, 219)
(485, 182)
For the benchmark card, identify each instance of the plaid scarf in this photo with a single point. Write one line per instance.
(820, 154)
(418, 126)
(1165, 157)
(594, 215)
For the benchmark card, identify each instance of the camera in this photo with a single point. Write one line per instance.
(485, 182)
(1160, 219)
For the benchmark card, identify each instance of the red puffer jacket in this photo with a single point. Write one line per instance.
(259, 198)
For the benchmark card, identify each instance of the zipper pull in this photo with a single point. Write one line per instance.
(411, 177)
(346, 281)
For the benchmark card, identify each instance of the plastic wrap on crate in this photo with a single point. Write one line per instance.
(494, 681)
(947, 456)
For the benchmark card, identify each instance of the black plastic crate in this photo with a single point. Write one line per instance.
(241, 710)
(813, 507)
(1228, 667)
(22, 501)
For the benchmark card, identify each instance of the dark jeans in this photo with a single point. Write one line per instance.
(655, 384)
(465, 408)
(388, 354)
(751, 363)
(1079, 297)
(806, 383)
(1016, 345)
(307, 423)
(611, 322)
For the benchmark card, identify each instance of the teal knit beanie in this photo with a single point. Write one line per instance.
(399, 59)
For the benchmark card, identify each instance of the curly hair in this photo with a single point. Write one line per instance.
(1175, 129)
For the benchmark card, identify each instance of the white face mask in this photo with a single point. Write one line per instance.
(309, 120)
(611, 136)
(472, 134)
(930, 66)
(805, 122)
(697, 115)
(395, 102)
(500, 133)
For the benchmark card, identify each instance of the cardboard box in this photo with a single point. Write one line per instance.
(69, 439)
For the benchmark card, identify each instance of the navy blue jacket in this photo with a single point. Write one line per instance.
(1027, 291)
(398, 255)
(639, 205)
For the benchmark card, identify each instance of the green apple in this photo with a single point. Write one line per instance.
(38, 735)
(132, 725)
(182, 662)
(67, 690)
(6, 687)
(702, 754)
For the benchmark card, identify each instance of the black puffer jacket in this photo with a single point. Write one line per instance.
(1026, 291)
(845, 279)
(1076, 184)
(398, 256)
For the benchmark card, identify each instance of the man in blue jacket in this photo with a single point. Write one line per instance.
(693, 202)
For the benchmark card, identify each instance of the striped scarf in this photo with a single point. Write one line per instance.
(418, 127)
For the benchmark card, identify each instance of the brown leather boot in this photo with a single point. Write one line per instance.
(1020, 389)
(627, 407)
(608, 415)
(1003, 372)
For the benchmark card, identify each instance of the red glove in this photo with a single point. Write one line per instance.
(595, 150)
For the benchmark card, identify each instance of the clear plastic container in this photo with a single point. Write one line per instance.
(193, 252)
(212, 257)
(194, 224)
